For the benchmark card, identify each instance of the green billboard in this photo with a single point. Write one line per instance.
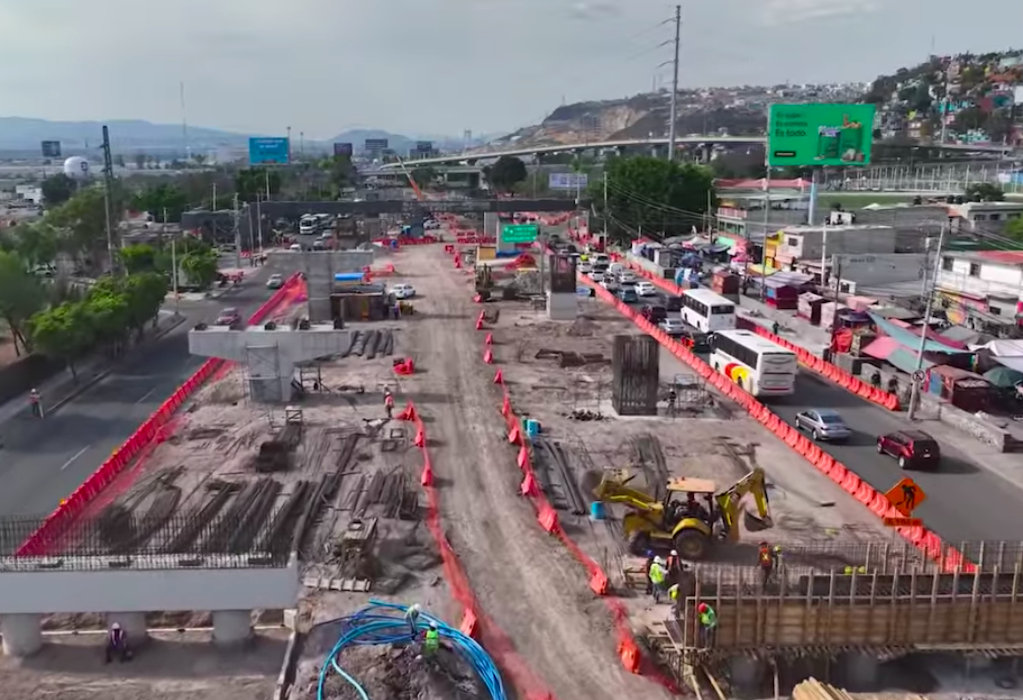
(819, 134)
(519, 233)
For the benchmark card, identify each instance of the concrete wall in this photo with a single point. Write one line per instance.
(913, 224)
(876, 269)
(807, 242)
(169, 587)
(320, 267)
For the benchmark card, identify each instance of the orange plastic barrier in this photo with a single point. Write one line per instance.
(474, 623)
(154, 429)
(547, 517)
(926, 541)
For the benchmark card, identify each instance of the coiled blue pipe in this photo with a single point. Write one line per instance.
(385, 623)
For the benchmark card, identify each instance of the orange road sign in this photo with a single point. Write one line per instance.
(906, 496)
(903, 522)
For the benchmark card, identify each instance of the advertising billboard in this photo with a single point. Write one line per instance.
(376, 145)
(568, 181)
(51, 149)
(267, 150)
(820, 134)
(424, 146)
(343, 149)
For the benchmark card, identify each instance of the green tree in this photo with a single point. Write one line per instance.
(146, 293)
(57, 189)
(36, 242)
(341, 171)
(21, 296)
(654, 195)
(107, 308)
(984, 192)
(200, 268)
(138, 258)
(423, 176)
(84, 217)
(507, 172)
(64, 332)
(253, 181)
(1014, 229)
(161, 199)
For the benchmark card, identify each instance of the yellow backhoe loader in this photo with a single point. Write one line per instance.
(692, 516)
(484, 281)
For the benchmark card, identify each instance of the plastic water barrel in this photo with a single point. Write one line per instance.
(532, 428)
(597, 511)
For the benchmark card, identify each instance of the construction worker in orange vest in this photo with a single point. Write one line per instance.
(389, 403)
(674, 566)
(767, 560)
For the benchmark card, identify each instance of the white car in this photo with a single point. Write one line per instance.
(646, 289)
(627, 277)
(431, 225)
(403, 291)
(584, 268)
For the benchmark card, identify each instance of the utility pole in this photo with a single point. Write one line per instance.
(213, 204)
(237, 236)
(174, 274)
(605, 208)
(108, 181)
(674, 86)
(928, 291)
(259, 228)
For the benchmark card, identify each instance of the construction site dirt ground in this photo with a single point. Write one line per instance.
(170, 666)
(559, 635)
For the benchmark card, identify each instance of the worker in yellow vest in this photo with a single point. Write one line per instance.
(431, 642)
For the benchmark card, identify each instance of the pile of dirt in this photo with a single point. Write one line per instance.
(581, 327)
(402, 673)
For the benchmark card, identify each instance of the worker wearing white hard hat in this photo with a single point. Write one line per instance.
(412, 617)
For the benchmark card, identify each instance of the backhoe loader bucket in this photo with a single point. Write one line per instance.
(754, 523)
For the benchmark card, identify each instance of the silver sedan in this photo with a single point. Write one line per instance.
(823, 424)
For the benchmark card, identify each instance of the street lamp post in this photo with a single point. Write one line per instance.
(928, 291)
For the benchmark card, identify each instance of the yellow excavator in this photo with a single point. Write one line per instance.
(692, 515)
(484, 281)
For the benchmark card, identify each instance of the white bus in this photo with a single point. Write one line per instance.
(757, 365)
(703, 309)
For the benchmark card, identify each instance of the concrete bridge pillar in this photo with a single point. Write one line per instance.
(22, 634)
(231, 627)
(860, 672)
(133, 624)
(746, 674)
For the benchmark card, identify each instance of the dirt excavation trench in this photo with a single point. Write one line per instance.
(525, 581)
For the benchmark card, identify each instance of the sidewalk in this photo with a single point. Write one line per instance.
(62, 388)
(793, 328)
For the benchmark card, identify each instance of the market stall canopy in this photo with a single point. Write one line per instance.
(1003, 377)
(910, 337)
(1008, 353)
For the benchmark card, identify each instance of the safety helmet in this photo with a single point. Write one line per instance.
(674, 553)
(414, 607)
(702, 608)
(777, 548)
(658, 560)
(764, 544)
(115, 626)
(433, 625)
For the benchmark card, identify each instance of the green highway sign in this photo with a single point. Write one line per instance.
(519, 233)
(819, 134)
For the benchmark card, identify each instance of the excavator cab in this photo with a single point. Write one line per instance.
(690, 517)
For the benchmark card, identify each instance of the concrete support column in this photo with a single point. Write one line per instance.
(22, 634)
(860, 672)
(231, 627)
(133, 624)
(746, 675)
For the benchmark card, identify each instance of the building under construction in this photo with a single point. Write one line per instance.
(841, 625)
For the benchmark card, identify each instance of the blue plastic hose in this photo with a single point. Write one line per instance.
(385, 623)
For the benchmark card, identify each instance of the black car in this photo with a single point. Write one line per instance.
(698, 341)
(654, 313)
(673, 303)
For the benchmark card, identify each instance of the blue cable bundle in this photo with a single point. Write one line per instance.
(385, 623)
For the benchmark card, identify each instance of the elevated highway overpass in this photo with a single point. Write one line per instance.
(649, 142)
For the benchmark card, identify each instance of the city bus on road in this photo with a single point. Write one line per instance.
(757, 365)
(707, 311)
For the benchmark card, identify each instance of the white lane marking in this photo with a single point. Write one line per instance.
(146, 395)
(77, 455)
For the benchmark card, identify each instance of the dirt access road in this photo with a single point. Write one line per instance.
(524, 580)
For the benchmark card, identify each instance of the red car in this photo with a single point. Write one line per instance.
(914, 449)
(229, 317)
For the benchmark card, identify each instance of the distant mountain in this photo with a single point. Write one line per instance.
(19, 133)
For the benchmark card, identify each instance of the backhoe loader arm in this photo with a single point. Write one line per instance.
(613, 489)
(754, 483)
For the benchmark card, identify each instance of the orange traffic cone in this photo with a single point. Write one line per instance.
(499, 377)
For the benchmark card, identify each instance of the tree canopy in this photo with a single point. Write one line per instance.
(21, 295)
(57, 189)
(163, 199)
(507, 172)
(984, 192)
(654, 196)
(252, 183)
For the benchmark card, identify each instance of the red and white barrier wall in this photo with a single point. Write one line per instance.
(153, 430)
(928, 542)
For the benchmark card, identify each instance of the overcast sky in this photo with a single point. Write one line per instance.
(442, 66)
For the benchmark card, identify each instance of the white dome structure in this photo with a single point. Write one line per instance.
(76, 168)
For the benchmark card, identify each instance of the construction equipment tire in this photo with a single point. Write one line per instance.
(692, 545)
(639, 543)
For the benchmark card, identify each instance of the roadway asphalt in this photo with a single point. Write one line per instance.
(44, 461)
(965, 502)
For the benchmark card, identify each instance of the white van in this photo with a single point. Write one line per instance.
(308, 224)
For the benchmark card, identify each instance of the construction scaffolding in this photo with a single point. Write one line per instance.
(892, 604)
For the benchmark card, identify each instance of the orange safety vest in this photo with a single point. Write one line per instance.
(389, 401)
(672, 563)
(766, 560)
